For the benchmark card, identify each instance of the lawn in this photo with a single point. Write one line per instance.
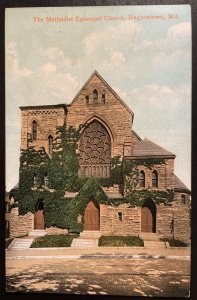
(174, 243)
(120, 241)
(60, 240)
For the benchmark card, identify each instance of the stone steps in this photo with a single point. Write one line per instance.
(37, 232)
(90, 234)
(150, 236)
(154, 244)
(84, 243)
(152, 240)
(21, 244)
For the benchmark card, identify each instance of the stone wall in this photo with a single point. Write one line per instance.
(113, 113)
(20, 225)
(47, 120)
(179, 213)
(110, 223)
(55, 230)
(175, 220)
(165, 175)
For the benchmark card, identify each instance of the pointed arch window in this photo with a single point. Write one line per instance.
(142, 179)
(34, 130)
(46, 180)
(50, 141)
(95, 96)
(154, 179)
(103, 98)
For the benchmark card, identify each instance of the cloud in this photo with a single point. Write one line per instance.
(121, 94)
(48, 68)
(12, 65)
(181, 29)
(161, 97)
(117, 58)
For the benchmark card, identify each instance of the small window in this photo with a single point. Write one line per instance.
(103, 98)
(141, 179)
(50, 141)
(183, 199)
(46, 180)
(95, 97)
(35, 179)
(119, 216)
(154, 179)
(87, 99)
(34, 130)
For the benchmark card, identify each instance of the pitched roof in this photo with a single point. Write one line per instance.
(146, 148)
(108, 86)
(179, 185)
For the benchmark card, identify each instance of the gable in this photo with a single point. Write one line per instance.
(96, 82)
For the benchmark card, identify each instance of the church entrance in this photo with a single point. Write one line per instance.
(91, 217)
(39, 215)
(148, 216)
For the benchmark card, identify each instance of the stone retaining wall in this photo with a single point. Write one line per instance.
(55, 230)
(20, 225)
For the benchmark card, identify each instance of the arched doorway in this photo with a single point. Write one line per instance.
(39, 215)
(148, 216)
(92, 216)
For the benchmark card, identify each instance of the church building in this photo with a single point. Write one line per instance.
(107, 133)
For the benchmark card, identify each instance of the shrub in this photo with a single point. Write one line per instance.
(120, 241)
(60, 240)
(174, 243)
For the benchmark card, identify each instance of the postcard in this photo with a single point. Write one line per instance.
(98, 150)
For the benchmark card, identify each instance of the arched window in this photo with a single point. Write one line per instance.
(50, 140)
(95, 96)
(141, 179)
(34, 130)
(154, 179)
(46, 180)
(35, 179)
(103, 98)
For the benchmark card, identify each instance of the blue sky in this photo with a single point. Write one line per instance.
(147, 62)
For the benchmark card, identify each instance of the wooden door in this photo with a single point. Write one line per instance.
(91, 217)
(146, 220)
(39, 219)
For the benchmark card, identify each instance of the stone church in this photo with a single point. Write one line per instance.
(108, 133)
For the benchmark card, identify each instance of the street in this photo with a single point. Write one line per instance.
(131, 277)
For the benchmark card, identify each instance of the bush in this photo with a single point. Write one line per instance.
(60, 240)
(120, 241)
(174, 243)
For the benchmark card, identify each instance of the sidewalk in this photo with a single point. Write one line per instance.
(101, 252)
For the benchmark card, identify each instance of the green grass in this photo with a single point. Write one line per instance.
(174, 243)
(60, 240)
(8, 242)
(120, 241)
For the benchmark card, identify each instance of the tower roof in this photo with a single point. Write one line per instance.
(179, 185)
(146, 148)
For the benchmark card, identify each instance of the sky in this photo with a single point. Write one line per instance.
(143, 52)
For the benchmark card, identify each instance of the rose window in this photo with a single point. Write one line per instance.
(95, 145)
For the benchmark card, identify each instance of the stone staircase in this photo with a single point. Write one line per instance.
(20, 244)
(152, 240)
(90, 234)
(87, 239)
(84, 243)
(37, 232)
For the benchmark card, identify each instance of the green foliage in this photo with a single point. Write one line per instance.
(174, 243)
(90, 190)
(120, 241)
(62, 171)
(59, 240)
